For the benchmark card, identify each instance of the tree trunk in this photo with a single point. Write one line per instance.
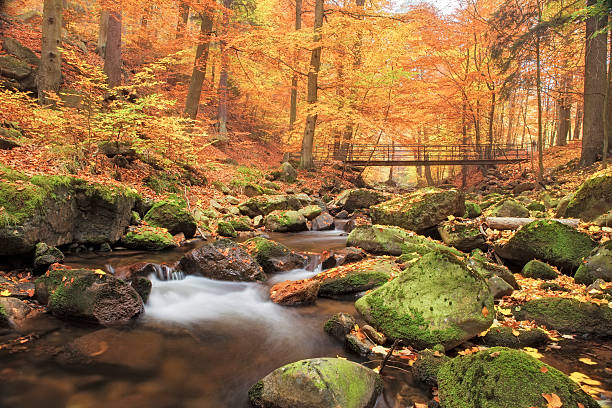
(607, 118)
(112, 56)
(578, 124)
(594, 87)
(198, 74)
(50, 71)
(223, 77)
(540, 173)
(306, 160)
(102, 33)
(294, 80)
(565, 112)
(183, 18)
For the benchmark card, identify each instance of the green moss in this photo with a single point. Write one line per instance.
(163, 183)
(427, 365)
(148, 238)
(225, 229)
(472, 210)
(172, 215)
(239, 223)
(508, 208)
(597, 266)
(505, 378)
(536, 206)
(283, 221)
(593, 198)
(539, 270)
(357, 277)
(487, 269)
(505, 337)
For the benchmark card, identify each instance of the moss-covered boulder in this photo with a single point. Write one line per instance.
(20, 51)
(287, 173)
(285, 221)
(239, 223)
(512, 338)
(427, 365)
(509, 208)
(505, 378)
(356, 277)
(273, 256)
(465, 236)
(59, 210)
(357, 199)
(499, 287)
(597, 266)
(592, 199)
(172, 215)
(438, 300)
(264, 205)
(487, 269)
(88, 296)
(472, 210)
(142, 285)
(536, 206)
(549, 241)
(45, 256)
(568, 315)
(421, 210)
(222, 260)
(339, 325)
(539, 270)
(14, 68)
(323, 222)
(388, 240)
(311, 212)
(226, 229)
(148, 238)
(318, 383)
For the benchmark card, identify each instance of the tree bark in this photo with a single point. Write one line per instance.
(183, 18)
(112, 56)
(198, 74)
(564, 114)
(294, 80)
(594, 87)
(50, 73)
(578, 124)
(540, 174)
(223, 77)
(102, 33)
(306, 160)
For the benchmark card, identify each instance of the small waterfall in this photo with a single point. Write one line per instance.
(166, 272)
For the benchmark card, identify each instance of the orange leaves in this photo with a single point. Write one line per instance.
(485, 311)
(543, 369)
(553, 400)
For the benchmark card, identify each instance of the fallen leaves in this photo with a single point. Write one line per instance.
(5, 293)
(553, 400)
(485, 311)
(587, 361)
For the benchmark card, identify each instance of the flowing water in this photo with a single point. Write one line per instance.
(201, 343)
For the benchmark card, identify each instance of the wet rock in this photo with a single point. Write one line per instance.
(225, 229)
(19, 390)
(323, 222)
(295, 293)
(273, 256)
(142, 286)
(344, 256)
(465, 236)
(288, 173)
(239, 223)
(172, 216)
(88, 296)
(512, 338)
(592, 199)
(438, 300)
(356, 277)
(597, 266)
(374, 335)
(509, 208)
(222, 260)
(568, 315)
(339, 325)
(318, 383)
(285, 221)
(82, 213)
(549, 241)
(539, 270)
(311, 212)
(499, 287)
(148, 238)
(421, 210)
(132, 351)
(357, 199)
(427, 365)
(13, 311)
(264, 205)
(358, 345)
(388, 240)
(342, 215)
(45, 256)
(505, 378)
(129, 272)
(488, 269)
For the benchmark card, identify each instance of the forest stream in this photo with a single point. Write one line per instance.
(203, 343)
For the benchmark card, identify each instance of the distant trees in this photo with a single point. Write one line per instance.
(198, 74)
(112, 54)
(50, 73)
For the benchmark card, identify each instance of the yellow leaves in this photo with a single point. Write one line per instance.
(5, 293)
(380, 350)
(553, 400)
(533, 352)
(99, 272)
(587, 361)
(587, 384)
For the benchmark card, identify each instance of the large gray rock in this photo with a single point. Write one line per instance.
(351, 200)
(421, 210)
(318, 383)
(173, 216)
(264, 205)
(465, 236)
(288, 173)
(285, 221)
(273, 256)
(592, 199)
(597, 266)
(45, 256)
(18, 50)
(88, 296)
(222, 260)
(60, 210)
(438, 300)
(14, 68)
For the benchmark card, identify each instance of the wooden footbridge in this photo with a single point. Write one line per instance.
(401, 155)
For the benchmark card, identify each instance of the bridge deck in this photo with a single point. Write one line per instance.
(420, 155)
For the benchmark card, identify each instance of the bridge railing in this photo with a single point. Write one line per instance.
(419, 152)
